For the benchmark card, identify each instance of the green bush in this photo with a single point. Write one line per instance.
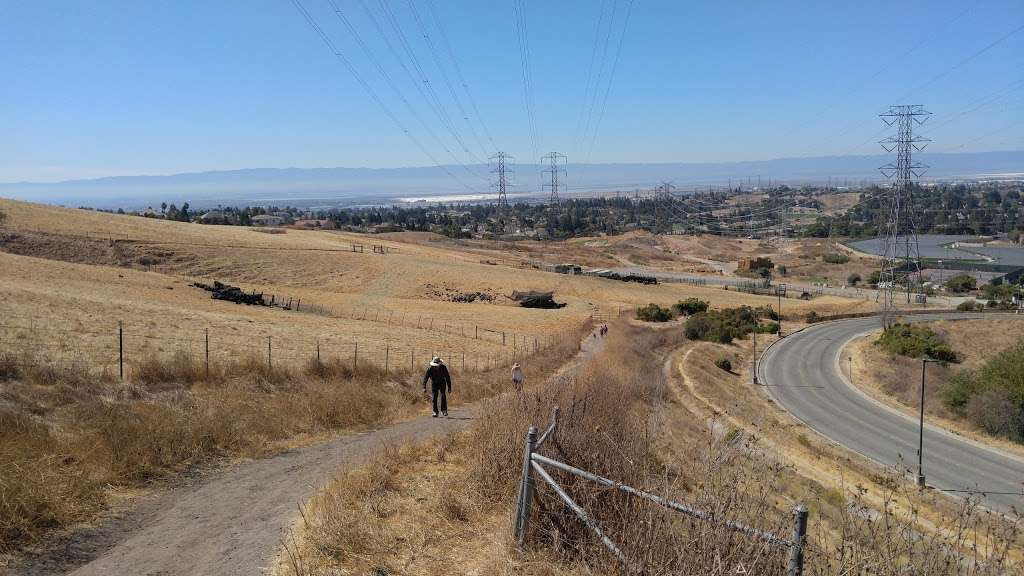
(915, 342)
(654, 313)
(967, 306)
(728, 324)
(835, 258)
(724, 364)
(992, 396)
(961, 283)
(853, 279)
(812, 317)
(690, 306)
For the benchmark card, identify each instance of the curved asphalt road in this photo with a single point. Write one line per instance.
(802, 374)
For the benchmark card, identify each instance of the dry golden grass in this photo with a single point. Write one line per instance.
(896, 380)
(621, 419)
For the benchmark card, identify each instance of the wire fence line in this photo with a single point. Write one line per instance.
(118, 347)
(534, 463)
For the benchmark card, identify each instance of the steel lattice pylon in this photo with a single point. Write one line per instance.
(902, 257)
(555, 168)
(502, 184)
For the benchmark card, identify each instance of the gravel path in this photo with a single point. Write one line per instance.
(232, 522)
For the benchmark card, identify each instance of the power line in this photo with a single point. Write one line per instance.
(522, 37)
(611, 78)
(458, 72)
(369, 90)
(444, 73)
(590, 75)
(438, 107)
(590, 103)
(388, 80)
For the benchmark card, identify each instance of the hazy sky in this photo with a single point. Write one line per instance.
(146, 87)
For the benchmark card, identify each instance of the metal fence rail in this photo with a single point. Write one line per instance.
(535, 462)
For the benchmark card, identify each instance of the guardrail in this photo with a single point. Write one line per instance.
(534, 462)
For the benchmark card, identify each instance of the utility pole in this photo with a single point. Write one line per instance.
(920, 429)
(556, 167)
(901, 231)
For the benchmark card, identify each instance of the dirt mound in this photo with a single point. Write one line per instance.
(450, 294)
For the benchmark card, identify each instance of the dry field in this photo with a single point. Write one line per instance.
(896, 380)
(426, 509)
(69, 277)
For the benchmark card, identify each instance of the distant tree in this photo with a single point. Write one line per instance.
(961, 283)
(163, 207)
(853, 279)
(874, 278)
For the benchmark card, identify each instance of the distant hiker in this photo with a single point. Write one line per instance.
(440, 384)
(518, 378)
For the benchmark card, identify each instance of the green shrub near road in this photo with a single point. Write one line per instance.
(690, 306)
(835, 258)
(915, 342)
(728, 324)
(992, 397)
(724, 364)
(961, 283)
(967, 306)
(654, 313)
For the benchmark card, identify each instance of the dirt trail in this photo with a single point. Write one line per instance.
(232, 522)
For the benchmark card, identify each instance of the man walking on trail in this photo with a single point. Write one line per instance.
(518, 377)
(440, 384)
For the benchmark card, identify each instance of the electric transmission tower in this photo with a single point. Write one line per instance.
(556, 167)
(502, 182)
(902, 256)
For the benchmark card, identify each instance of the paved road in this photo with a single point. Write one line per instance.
(724, 280)
(803, 375)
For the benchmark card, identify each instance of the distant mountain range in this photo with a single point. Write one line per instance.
(312, 187)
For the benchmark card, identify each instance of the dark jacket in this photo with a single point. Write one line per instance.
(439, 376)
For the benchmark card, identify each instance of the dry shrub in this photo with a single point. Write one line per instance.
(864, 539)
(40, 487)
(181, 368)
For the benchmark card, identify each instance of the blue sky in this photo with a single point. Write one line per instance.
(156, 87)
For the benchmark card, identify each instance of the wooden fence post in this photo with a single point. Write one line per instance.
(387, 354)
(525, 488)
(796, 551)
(317, 351)
(269, 363)
(207, 334)
(355, 356)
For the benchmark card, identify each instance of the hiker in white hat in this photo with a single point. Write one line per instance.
(440, 384)
(518, 378)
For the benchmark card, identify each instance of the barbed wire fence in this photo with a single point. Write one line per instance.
(115, 348)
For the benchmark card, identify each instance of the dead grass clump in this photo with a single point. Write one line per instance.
(138, 441)
(181, 368)
(40, 488)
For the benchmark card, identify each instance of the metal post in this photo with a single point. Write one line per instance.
(318, 351)
(120, 348)
(920, 429)
(355, 356)
(269, 364)
(796, 551)
(387, 357)
(207, 334)
(412, 359)
(525, 488)
(755, 351)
